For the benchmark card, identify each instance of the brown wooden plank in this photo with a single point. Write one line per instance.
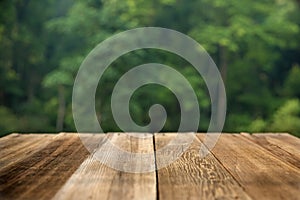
(193, 177)
(41, 174)
(16, 147)
(94, 180)
(261, 174)
(284, 146)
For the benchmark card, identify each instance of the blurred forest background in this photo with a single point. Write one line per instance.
(255, 44)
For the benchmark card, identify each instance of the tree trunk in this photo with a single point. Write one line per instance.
(61, 108)
(223, 62)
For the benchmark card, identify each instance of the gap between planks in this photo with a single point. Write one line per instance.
(241, 167)
(283, 146)
(95, 180)
(262, 173)
(189, 177)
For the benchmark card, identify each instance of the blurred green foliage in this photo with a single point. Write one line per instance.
(287, 117)
(255, 44)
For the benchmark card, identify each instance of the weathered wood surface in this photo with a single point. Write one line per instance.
(94, 180)
(284, 146)
(58, 166)
(262, 174)
(193, 177)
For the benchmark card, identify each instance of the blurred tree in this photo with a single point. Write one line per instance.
(8, 122)
(287, 118)
(257, 125)
(59, 79)
(247, 36)
(23, 60)
(255, 44)
(292, 83)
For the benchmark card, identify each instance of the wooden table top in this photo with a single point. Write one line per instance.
(240, 166)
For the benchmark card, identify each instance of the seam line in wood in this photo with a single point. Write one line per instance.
(222, 165)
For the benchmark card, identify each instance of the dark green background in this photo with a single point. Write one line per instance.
(254, 43)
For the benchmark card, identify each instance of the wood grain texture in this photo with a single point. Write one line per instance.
(261, 174)
(94, 180)
(39, 175)
(16, 147)
(58, 166)
(193, 177)
(284, 146)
